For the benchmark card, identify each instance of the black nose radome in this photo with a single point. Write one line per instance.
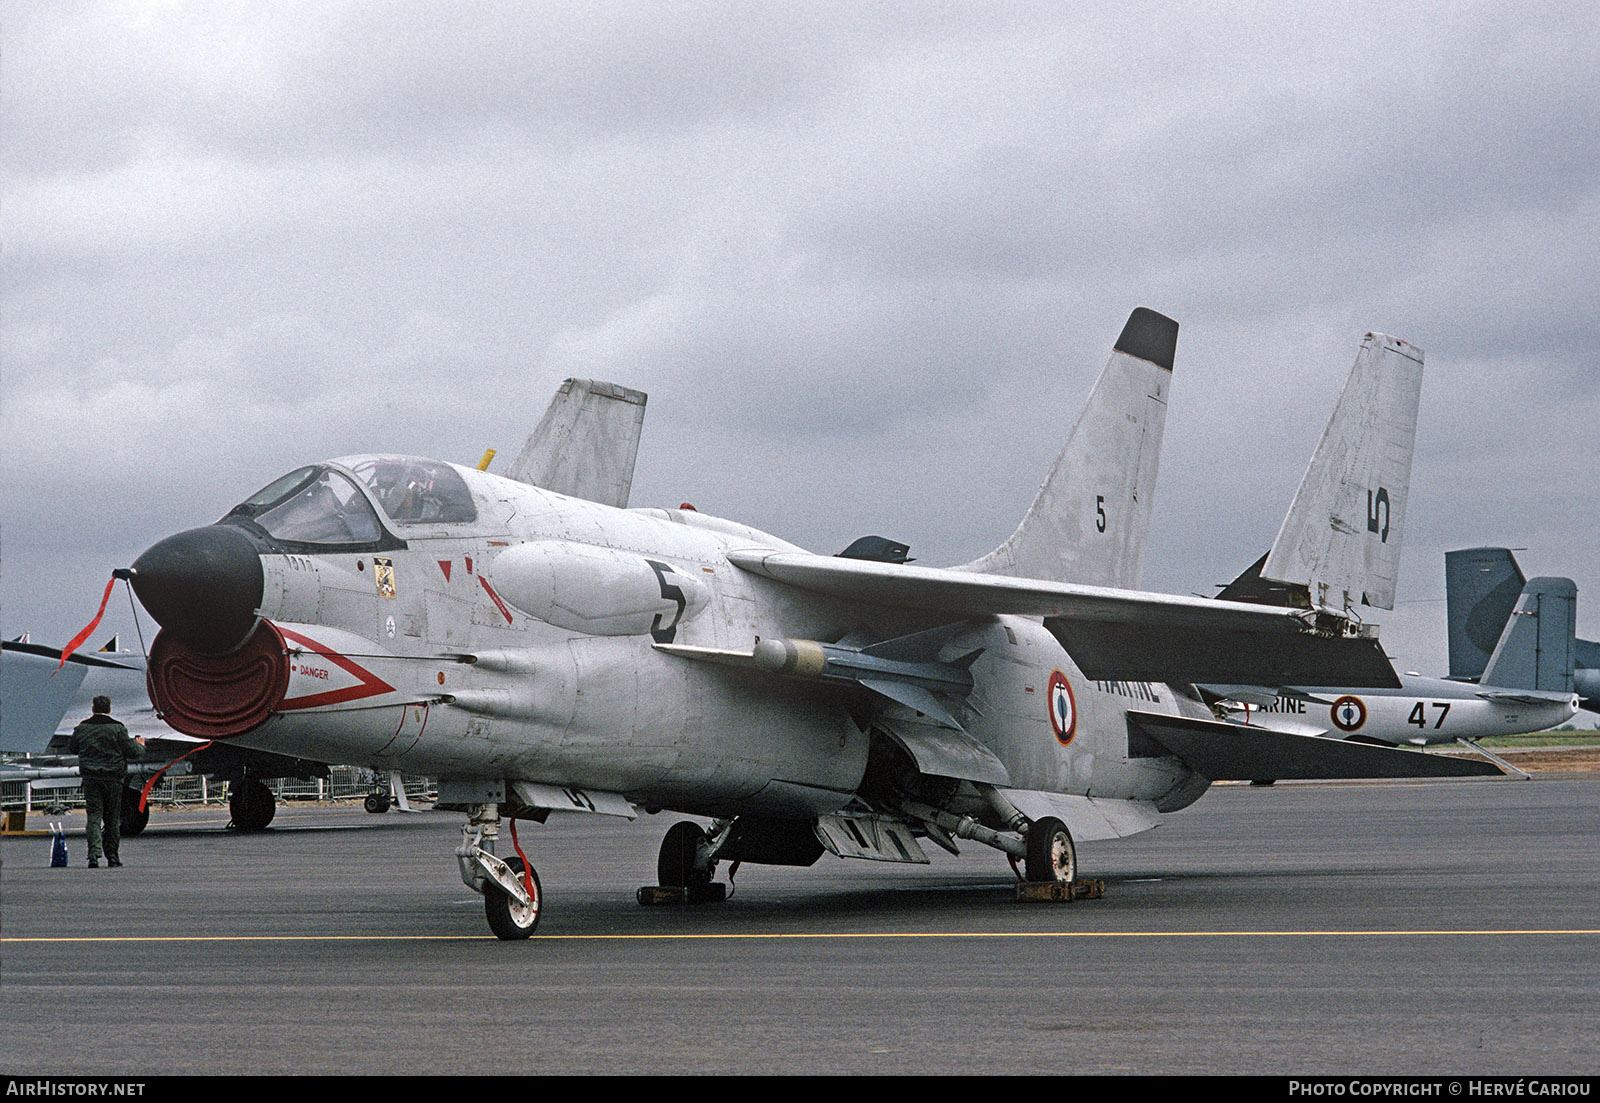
(204, 586)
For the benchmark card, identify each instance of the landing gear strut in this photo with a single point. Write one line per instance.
(512, 896)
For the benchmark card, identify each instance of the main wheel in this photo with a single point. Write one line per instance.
(510, 919)
(680, 864)
(376, 803)
(133, 818)
(251, 804)
(1051, 855)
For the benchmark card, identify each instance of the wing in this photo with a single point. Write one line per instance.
(1110, 634)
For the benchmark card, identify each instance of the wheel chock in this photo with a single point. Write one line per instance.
(1061, 891)
(657, 895)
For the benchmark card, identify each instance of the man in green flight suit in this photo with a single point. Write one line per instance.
(104, 749)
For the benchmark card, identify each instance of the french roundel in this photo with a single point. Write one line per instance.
(1063, 709)
(1349, 713)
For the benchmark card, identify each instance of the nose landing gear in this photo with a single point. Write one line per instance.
(511, 892)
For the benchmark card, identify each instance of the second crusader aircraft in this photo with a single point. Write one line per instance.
(541, 652)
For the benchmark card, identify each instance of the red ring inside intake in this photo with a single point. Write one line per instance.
(217, 696)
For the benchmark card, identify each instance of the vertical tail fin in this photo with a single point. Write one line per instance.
(1341, 537)
(1481, 588)
(1537, 648)
(1090, 519)
(586, 443)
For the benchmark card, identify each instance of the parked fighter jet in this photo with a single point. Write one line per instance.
(542, 653)
(1482, 587)
(1529, 684)
(584, 446)
(1526, 687)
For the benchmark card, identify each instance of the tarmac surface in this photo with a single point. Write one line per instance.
(1444, 928)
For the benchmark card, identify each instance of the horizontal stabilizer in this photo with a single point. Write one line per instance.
(34, 695)
(120, 661)
(1233, 752)
(1525, 696)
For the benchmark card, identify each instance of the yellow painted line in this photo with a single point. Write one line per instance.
(823, 936)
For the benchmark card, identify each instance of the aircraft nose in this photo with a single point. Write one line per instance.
(204, 586)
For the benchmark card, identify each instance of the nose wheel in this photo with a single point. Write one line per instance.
(512, 897)
(511, 918)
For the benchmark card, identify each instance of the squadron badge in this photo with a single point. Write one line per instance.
(383, 574)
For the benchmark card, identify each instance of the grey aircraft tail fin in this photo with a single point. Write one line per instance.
(1538, 647)
(1481, 587)
(586, 443)
(1341, 537)
(1090, 519)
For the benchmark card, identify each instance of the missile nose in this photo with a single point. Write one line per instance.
(204, 586)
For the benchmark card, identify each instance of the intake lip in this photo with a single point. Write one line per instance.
(219, 696)
(204, 586)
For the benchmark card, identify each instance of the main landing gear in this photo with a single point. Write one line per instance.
(510, 889)
(134, 818)
(1051, 855)
(251, 804)
(685, 867)
(1041, 851)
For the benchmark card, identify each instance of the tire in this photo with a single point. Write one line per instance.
(251, 804)
(508, 919)
(133, 820)
(1051, 853)
(376, 803)
(679, 865)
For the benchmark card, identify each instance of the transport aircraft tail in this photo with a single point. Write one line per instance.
(1340, 541)
(1481, 588)
(1090, 519)
(1538, 647)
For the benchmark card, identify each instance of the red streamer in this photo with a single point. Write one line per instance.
(93, 624)
(144, 794)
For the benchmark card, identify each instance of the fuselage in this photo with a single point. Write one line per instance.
(1423, 711)
(513, 635)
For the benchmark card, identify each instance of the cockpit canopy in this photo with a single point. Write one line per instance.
(414, 491)
(322, 505)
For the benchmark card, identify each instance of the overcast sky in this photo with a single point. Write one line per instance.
(866, 258)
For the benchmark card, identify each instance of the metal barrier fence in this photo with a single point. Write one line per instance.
(342, 783)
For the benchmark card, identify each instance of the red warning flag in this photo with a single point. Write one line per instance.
(88, 631)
